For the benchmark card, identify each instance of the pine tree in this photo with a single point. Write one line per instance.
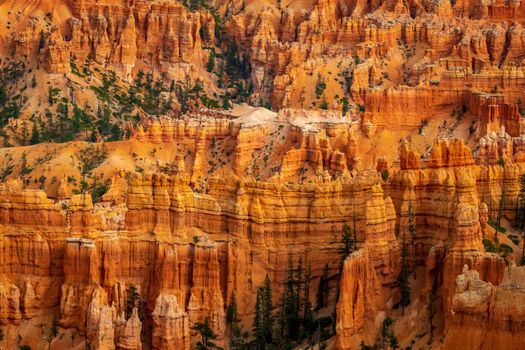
(348, 243)
(35, 134)
(404, 284)
(297, 288)
(308, 319)
(210, 66)
(267, 310)
(388, 338)
(431, 309)
(41, 41)
(500, 209)
(394, 343)
(24, 133)
(54, 327)
(207, 336)
(412, 230)
(231, 312)
(237, 341)
(322, 294)
(258, 323)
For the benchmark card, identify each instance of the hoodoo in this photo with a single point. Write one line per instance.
(276, 174)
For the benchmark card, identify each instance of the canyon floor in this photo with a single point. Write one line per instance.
(275, 174)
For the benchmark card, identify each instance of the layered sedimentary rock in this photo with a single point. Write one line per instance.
(207, 204)
(176, 248)
(170, 325)
(118, 35)
(360, 300)
(487, 316)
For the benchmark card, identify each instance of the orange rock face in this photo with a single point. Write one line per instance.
(401, 120)
(487, 316)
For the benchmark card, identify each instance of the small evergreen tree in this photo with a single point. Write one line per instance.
(308, 319)
(24, 134)
(500, 210)
(207, 336)
(210, 66)
(404, 284)
(35, 135)
(41, 40)
(258, 323)
(267, 310)
(322, 295)
(388, 338)
(231, 312)
(431, 312)
(348, 243)
(54, 327)
(412, 230)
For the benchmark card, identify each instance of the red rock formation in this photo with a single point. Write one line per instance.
(359, 301)
(127, 332)
(171, 328)
(487, 316)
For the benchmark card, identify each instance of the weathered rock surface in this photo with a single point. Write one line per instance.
(486, 316)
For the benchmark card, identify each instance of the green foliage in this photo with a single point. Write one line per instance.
(431, 308)
(263, 320)
(349, 243)
(52, 95)
(489, 245)
(515, 239)
(411, 224)
(189, 95)
(98, 190)
(207, 336)
(505, 249)
(41, 40)
(231, 311)
(387, 335)
(267, 310)
(345, 106)
(92, 157)
(495, 247)
(133, 300)
(194, 5)
(521, 111)
(495, 226)
(210, 66)
(404, 283)
(35, 135)
(237, 67)
(258, 325)
(320, 86)
(6, 172)
(11, 101)
(322, 294)
(54, 327)
(323, 105)
(151, 95)
(384, 175)
(361, 108)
